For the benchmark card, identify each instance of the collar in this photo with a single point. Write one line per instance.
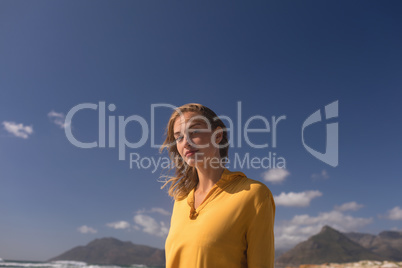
(226, 179)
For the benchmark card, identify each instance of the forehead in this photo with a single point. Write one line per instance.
(188, 119)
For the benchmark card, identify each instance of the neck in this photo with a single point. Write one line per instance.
(207, 178)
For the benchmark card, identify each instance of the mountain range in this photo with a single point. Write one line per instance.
(111, 251)
(387, 244)
(330, 245)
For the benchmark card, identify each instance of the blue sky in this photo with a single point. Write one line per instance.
(276, 59)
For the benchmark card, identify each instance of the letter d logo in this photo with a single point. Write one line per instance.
(331, 148)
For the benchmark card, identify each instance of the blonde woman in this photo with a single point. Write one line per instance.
(220, 218)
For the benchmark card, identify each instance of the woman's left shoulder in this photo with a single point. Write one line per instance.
(255, 191)
(252, 189)
(258, 188)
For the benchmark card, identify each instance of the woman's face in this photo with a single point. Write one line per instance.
(196, 142)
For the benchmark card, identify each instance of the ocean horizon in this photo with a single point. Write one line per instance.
(63, 264)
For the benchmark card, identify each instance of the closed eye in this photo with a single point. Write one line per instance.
(191, 132)
(179, 138)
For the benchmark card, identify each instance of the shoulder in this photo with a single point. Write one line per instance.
(256, 196)
(260, 198)
(253, 190)
(258, 190)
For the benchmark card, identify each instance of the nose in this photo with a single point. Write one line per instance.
(187, 141)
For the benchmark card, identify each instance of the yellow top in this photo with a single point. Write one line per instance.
(233, 227)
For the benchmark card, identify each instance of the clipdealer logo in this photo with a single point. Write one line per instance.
(236, 129)
(331, 154)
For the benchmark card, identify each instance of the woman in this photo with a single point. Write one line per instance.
(220, 218)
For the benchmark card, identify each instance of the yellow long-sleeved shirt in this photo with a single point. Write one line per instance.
(233, 227)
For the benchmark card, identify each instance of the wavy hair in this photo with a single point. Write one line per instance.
(186, 177)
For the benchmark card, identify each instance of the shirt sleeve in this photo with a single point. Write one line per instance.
(260, 235)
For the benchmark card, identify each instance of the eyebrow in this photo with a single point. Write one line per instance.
(176, 133)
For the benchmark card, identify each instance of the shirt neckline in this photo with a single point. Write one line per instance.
(226, 177)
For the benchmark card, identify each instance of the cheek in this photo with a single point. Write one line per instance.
(208, 142)
(179, 148)
(204, 140)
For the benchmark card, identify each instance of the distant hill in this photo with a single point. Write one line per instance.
(327, 246)
(387, 244)
(107, 251)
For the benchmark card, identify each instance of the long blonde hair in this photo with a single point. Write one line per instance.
(186, 177)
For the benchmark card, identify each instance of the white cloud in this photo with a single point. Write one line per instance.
(275, 175)
(301, 227)
(18, 130)
(292, 199)
(323, 175)
(394, 214)
(353, 206)
(154, 210)
(58, 119)
(151, 226)
(119, 225)
(86, 230)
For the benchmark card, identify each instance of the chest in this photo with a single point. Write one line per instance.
(221, 221)
(198, 199)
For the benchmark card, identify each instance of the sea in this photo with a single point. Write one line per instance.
(62, 264)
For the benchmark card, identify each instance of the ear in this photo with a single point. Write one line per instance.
(218, 133)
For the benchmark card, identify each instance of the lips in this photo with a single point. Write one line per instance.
(191, 152)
